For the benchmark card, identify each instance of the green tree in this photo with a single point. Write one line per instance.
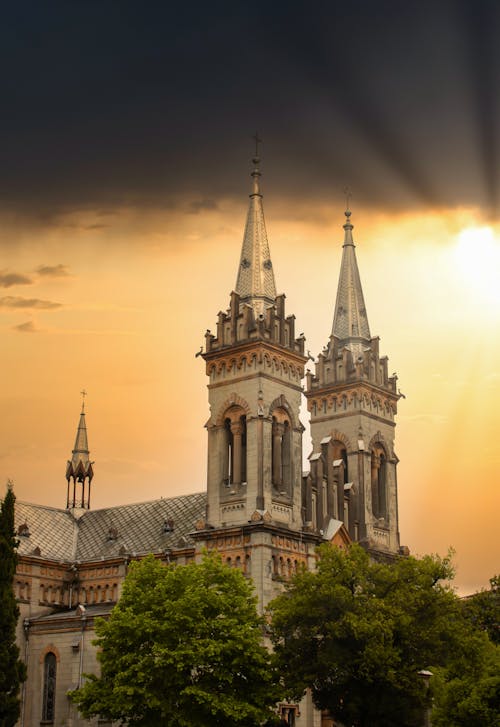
(482, 609)
(467, 691)
(357, 632)
(183, 647)
(12, 669)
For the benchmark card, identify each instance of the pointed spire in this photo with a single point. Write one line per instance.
(255, 282)
(79, 467)
(350, 321)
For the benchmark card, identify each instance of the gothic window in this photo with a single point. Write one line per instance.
(235, 454)
(49, 687)
(379, 482)
(282, 452)
(339, 451)
(324, 490)
(343, 454)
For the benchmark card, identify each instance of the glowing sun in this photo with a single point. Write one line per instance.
(477, 256)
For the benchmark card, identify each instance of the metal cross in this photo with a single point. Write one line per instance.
(84, 394)
(348, 195)
(258, 141)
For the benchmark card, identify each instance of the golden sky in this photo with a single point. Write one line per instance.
(117, 302)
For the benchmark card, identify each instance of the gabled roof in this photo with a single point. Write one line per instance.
(139, 528)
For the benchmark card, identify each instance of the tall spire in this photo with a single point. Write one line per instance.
(255, 282)
(350, 321)
(79, 467)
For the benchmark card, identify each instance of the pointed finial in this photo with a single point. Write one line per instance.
(256, 161)
(348, 195)
(84, 394)
(348, 226)
(258, 141)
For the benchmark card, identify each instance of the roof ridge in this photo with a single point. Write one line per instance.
(145, 502)
(44, 507)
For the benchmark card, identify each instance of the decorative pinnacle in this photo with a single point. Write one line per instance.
(84, 394)
(256, 161)
(258, 141)
(348, 195)
(348, 226)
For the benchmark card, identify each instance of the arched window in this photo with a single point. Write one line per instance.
(49, 687)
(379, 482)
(282, 452)
(235, 456)
(338, 452)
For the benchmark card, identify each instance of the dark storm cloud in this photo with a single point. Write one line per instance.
(53, 271)
(14, 301)
(8, 280)
(481, 31)
(141, 104)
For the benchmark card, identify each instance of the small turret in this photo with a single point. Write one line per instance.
(79, 467)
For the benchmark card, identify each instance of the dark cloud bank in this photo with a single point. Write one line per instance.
(128, 103)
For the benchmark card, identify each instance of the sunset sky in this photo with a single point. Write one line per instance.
(125, 142)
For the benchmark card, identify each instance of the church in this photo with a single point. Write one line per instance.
(262, 509)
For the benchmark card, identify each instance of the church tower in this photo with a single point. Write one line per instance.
(352, 402)
(255, 365)
(79, 468)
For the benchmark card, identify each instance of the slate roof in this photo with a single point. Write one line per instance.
(139, 528)
(51, 529)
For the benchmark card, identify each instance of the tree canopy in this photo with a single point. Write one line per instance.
(467, 691)
(482, 609)
(357, 632)
(183, 647)
(12, 669)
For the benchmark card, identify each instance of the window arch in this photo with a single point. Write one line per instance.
(379, 481)
(282, 451)
(49, 687)
(339, 451)
(235, 449)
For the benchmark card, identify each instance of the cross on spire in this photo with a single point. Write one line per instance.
(84, 394)
(258, 141)
(348, 195)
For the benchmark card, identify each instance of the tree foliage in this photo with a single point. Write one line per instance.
(357, 632)
(183, 647)
(12, 669)
(482, 609)
(467, 691)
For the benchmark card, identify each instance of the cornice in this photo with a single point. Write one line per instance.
(251, 345)
(342, 387)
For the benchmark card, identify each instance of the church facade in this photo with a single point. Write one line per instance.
(260, 510)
